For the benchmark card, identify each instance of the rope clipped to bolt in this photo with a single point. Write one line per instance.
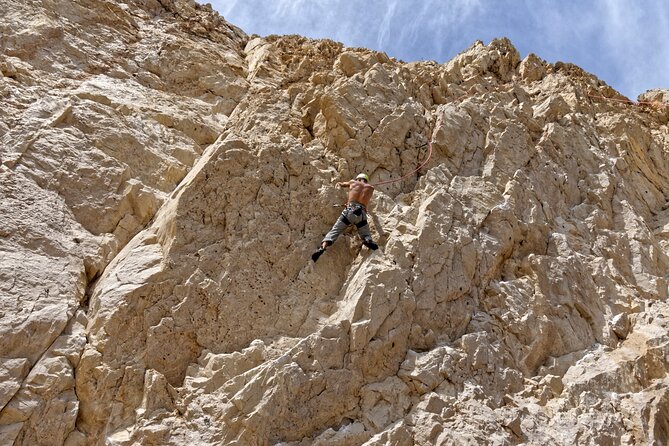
(395, 180)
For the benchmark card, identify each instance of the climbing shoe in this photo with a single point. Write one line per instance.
(371, 245)
(317, 254)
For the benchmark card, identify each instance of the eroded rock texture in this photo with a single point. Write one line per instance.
(165, 177)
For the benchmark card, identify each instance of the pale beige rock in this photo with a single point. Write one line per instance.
(46, 406)
(656, 95)
(532, 68)
(165, 178)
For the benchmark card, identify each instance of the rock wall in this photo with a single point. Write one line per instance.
(165, 177)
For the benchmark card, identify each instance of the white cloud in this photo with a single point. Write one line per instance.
(624, 42)
(386, 24)
(636, 35)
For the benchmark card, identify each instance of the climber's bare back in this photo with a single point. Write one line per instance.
(359, 191)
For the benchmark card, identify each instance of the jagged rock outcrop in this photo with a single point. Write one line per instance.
(165, 178)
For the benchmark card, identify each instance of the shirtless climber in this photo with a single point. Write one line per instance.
(359, 194)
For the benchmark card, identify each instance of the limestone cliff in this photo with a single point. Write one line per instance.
(164, 178)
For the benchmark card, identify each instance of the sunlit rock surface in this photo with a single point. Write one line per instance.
(165, 177)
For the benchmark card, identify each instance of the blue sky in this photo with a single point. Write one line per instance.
(623, 42)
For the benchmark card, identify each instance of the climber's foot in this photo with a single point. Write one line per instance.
(371, 245)
(317, 254)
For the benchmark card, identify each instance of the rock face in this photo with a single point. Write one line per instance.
(164, 178)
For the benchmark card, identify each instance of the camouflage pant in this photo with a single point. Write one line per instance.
(353, 214)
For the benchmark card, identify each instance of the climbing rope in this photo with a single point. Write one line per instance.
(630, 102)
(429, 155)
(471, 93)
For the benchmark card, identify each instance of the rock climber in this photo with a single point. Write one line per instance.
(355, 213)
